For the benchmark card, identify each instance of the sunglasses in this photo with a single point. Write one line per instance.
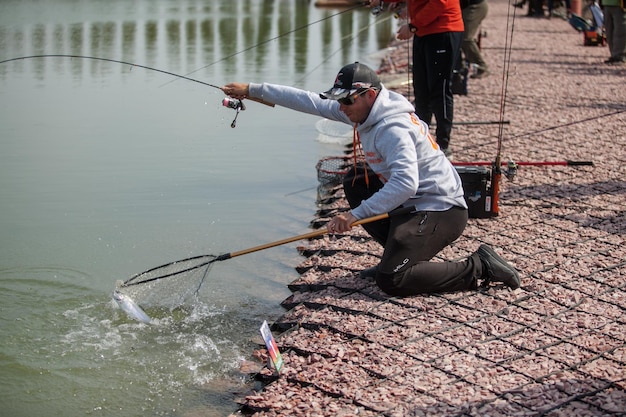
(349, 101)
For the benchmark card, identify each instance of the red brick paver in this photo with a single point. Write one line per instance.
(554, 347)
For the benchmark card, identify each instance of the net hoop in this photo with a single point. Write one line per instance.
(170, 269)
(169, 285)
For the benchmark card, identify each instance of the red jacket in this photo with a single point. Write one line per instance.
(434, 16)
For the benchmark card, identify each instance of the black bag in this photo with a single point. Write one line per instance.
(459, 81)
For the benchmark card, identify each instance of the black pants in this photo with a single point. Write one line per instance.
(410, 241)
(434, 59)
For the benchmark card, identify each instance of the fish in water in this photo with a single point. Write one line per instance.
(130, 307)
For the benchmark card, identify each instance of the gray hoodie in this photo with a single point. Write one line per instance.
(397, 147)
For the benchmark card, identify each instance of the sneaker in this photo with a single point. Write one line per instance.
(480, 73)
(369, 272)
(496, 268)
(448, 153)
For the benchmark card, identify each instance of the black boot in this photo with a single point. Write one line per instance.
(497, 269)
(369, 272)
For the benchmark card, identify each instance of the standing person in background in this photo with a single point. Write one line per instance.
(615, 26)
(568, 9)
(474, 12)
(436, 27)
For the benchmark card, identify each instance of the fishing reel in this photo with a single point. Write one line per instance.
(399, 12)
(235, 104)
(511, 170)
(378, 9)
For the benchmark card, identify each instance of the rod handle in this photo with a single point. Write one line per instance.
(310, 235)
(580, 163)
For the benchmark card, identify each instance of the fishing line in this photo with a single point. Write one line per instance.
(110, 60)
(546, 129)
(588, 119)
(186, 76)
(508, 46)
(350, 37)
(229, 102)
(269, 40)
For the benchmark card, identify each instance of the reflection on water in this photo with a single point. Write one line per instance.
(189, 36)
(104, 174)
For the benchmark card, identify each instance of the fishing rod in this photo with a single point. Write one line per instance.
(229, 102)
(163, 279)
(527, 163)
(496, 166)
(482, 122)
(190, 265)
(511, 166)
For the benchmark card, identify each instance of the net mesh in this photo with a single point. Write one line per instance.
(330, 170)
(338, 130)
(169, 285)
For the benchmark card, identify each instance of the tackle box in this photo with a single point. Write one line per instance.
(477, 188)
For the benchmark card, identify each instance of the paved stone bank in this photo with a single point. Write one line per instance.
(554, 347)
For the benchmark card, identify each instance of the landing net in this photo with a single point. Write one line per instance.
(330, 170)
(169, 285)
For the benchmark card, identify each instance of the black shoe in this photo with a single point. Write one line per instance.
(496, 268)
(615, 60)
(369, 272)
(480, 73)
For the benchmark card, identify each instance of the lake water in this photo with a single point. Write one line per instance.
(107, 170)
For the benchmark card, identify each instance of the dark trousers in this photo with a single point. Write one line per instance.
(410, 241)
(434, 59)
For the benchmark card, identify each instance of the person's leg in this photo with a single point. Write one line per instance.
(413, 240)
(421, 86)
(609, 23)
(433, 278)
(472, 17)
(535, 8)
(441, 52)
(619, 34)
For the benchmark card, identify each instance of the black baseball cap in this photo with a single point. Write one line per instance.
(350, 79)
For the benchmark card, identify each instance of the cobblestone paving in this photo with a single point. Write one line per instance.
(554, 347)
